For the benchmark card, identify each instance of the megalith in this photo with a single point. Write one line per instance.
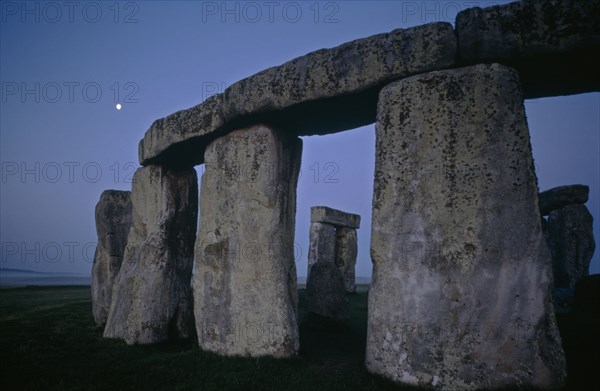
(322, 238)
(460, 296)
(151, 298)
(570, 237)
(326, 293)
(333, 239)
(346, 246)
(245, 294)
(113, 219)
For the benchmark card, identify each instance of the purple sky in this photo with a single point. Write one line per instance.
(64, 66)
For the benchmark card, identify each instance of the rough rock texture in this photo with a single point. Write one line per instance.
(570, 237)
(322, 92)
(346, 250)
(562, 196)
(324, 214)
(321, 244)
(550, 43)
(460, 297)
(326, 293)
(152, 298)
(245, 293)
(113, 219)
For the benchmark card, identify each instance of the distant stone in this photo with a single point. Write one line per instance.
(346, 250)
(324, 214)
(548, 41)
(570, 237)
(322, 238)
(321, 92)
(326, 293)
(113, 219)
(245, 293)
(562, 196)
(152, 298)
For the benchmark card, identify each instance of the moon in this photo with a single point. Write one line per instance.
(118, 106)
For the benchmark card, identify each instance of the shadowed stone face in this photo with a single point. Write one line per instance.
(460, 297)
(570, 236)
(113, 219)
(322, 244)
(346, 245)
(325, 292)
(152, 294)
(549, 42)
(245, 294)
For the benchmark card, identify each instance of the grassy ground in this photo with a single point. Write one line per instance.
(48, 341)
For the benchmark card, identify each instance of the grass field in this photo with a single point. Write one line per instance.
(48, 341)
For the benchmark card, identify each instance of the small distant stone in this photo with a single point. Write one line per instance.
(326, 293)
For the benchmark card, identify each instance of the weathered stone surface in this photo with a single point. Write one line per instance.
(326, 293)
(550, 43)
(570, 237)
(322, 92)
(559, 197)
(245, 294)
(460, 297)
(324, 214)
(346, 250)
(113, 219)
(152, 298)
(321, 245)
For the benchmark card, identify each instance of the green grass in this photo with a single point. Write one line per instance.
(48, 341)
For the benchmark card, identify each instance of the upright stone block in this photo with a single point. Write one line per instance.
(346, 246)
(245, 294)
(113, 219)
(326, 293)
(322, 244)
(460, 297)
(152, 298)
(570, 237)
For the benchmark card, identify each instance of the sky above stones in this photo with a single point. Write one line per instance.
(66, 65)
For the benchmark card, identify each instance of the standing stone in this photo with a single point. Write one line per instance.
(326, 293)
(570, 236)
(346, 245)
(152, 298)
(322, 244)
(460, 297)
(113, 219)
(245, 294)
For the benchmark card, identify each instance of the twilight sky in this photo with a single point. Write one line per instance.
(65, 65)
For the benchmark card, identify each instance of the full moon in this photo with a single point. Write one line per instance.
(118, 106)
